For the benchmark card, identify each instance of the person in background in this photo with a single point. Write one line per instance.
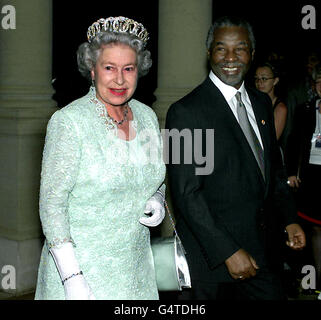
(99, 179)
(303, 162)
(300, 87)
(224, 217)
(266, 79)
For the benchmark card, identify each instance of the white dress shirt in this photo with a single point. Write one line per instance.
(229, 93)
(315, 153)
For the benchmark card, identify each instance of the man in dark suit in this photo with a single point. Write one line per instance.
(224, 217)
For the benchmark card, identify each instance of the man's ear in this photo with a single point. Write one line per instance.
(276, 81)
(209, 52)
(92, 74)
(253, 53)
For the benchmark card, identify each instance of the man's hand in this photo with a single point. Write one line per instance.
(241, 265)
(294, 182)
(296, 236)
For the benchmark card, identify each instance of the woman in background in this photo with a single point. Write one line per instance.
(266, 80)
(303, 163)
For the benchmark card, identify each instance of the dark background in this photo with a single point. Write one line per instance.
(277, 27)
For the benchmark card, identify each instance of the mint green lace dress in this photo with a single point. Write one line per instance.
(94, 187)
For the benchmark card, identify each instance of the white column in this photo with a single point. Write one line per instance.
(25, 107)
(182, 57)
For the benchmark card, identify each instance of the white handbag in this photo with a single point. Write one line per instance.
(171, 268)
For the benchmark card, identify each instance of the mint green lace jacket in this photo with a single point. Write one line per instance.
(94, 187)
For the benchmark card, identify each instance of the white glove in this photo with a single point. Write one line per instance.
(75, 285)
(155, 206)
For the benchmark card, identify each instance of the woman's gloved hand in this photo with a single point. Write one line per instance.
(155, 207)
(74, 282)
(77, 288)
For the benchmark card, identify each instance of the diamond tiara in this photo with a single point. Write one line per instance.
(120, 25)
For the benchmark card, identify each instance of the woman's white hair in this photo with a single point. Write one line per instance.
(88, 53)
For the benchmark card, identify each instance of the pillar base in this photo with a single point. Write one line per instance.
(19, 262)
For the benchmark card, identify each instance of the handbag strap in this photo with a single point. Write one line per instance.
(170, 217)
(173, 225)
(167, 208)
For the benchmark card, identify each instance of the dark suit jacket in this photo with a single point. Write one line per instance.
(297, 156)
(298, 148)
(218, 214)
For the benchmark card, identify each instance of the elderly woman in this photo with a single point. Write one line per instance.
(303, 161)
(102, 171)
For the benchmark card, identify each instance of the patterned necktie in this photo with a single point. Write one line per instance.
(249, 133)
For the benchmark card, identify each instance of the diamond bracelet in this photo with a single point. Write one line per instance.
(71, 276)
